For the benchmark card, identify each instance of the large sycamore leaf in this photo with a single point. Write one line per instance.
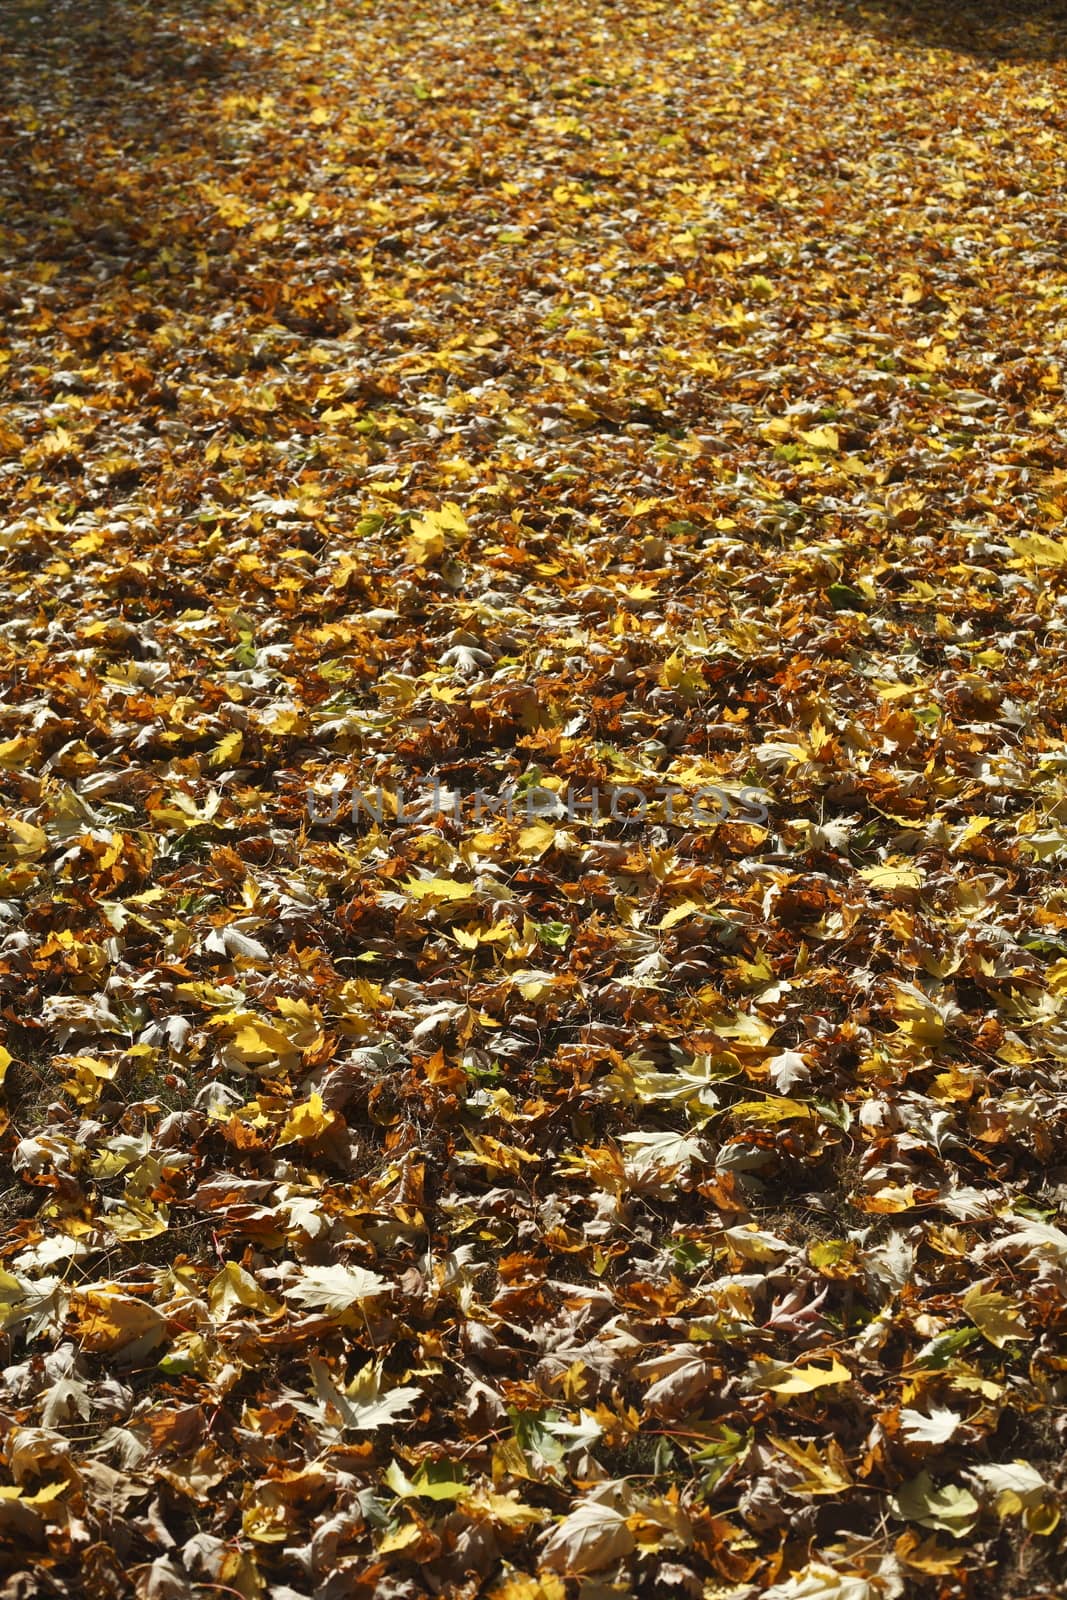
(594, 1536)
(661, 1153)
(336, 1289)
(1035, 1241)
(363, 1405)
(817, 1581)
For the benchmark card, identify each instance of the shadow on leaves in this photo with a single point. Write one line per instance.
(991, 30)
(102, 101)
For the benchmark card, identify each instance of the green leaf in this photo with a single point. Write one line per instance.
(940, 1351)
(434, 1480)
(844, 598)
(948, 1510)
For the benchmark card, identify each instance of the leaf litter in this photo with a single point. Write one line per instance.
(476, 400)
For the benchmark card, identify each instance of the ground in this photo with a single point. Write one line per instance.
(533, 947)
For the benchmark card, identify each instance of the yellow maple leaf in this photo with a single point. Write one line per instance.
(306, 1121)
(890, 877)
(234, 1289)
(996, 1316)
(824, 438)
(438, 889)
(537, 838)
(228, 749)
(781, 1379)
(429, 535)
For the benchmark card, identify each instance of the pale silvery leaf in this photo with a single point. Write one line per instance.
(363, 1405)
(1015, 1478)
(891, 1263)
(241, 944)
(788, 1070)
(576, 1435)
(939, 1426)
(661, 1152)
(66, 1399)
(819, 1582)
(336, 1289)
(756, 1245)
(1039, 1240)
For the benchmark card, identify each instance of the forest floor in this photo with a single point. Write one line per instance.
(634, 1167)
